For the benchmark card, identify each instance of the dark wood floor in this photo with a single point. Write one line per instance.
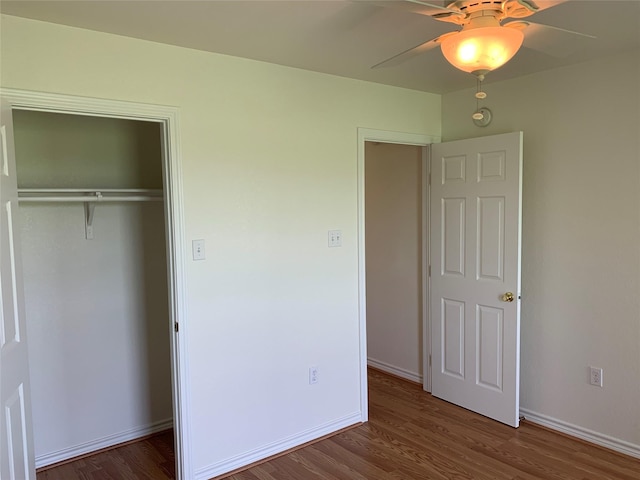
(410, 435)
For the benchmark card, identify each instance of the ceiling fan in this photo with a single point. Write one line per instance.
(486, 41)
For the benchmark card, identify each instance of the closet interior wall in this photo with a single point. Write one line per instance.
(97, 310)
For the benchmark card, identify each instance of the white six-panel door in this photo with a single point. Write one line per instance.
(475, 261)
(17, 460)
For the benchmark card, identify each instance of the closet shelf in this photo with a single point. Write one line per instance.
(89, 195)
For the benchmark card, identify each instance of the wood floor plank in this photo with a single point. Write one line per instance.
(258, 472)
(349, 451)
(410, 435)
(413, 459)
(331, 464)
(473, 454)
(246, 475)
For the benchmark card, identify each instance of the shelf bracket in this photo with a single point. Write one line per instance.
(89, 209)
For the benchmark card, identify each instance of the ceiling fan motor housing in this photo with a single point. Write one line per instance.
(503, 9)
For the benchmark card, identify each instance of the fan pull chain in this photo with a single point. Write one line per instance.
(480, 95)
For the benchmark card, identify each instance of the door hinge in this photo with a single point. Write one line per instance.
(175, 327)
(429, 270)
(429, 179)
(429, 360)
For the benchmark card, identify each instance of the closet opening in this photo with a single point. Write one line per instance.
(95, 259)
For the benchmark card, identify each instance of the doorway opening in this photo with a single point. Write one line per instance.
(470, 323)
(128, 215)
(385, 198)
(394, 240)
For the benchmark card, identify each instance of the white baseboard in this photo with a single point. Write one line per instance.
(100, 443)
(590, 436)
(275, 448)
(397, 371)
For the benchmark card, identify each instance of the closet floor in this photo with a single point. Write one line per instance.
(151, 458)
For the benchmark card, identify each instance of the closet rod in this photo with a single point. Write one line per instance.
(90, 195)
(90, 190)
(94, 198)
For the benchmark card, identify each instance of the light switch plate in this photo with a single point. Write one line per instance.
(335, 238)
(198, 249)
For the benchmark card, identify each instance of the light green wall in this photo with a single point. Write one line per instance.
(71, 151)
(581, 235)
(269, 159)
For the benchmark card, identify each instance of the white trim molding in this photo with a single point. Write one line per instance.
(395, 371)
(275, 448)
(582, 433)
(384, 136)
(426, 265)
(100, 443)
(169, 118)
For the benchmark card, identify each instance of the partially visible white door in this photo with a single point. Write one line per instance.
(475, 265)
(17, 461)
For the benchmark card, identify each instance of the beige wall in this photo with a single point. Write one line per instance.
(581, 236)
(269, 158)
(393, 236)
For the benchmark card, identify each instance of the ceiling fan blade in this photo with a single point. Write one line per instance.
(412, 52)
(554, 41)
(438, 8)
(352, 15)
(543, 4)
(417, 6)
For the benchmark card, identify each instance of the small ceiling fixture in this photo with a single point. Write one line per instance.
(482, 45)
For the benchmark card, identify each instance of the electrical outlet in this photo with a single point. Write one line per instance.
(313, 375)
(595, 376)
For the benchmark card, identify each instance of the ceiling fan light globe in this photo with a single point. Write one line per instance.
(481, 49)
(468, 51)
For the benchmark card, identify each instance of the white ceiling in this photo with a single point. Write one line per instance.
(340, 37)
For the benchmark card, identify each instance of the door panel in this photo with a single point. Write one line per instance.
(16, 434)
(453, 341)
(490, 243)
(475, 241)
(489, 327)
(16, 438)
(453, 230)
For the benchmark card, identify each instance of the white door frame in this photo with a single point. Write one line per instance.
(402, 138)
(168, 117)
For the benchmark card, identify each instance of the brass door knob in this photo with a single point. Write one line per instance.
(508, 297)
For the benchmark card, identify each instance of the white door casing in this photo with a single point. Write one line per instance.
(174, 224)
(475, 259)
(17, 460)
